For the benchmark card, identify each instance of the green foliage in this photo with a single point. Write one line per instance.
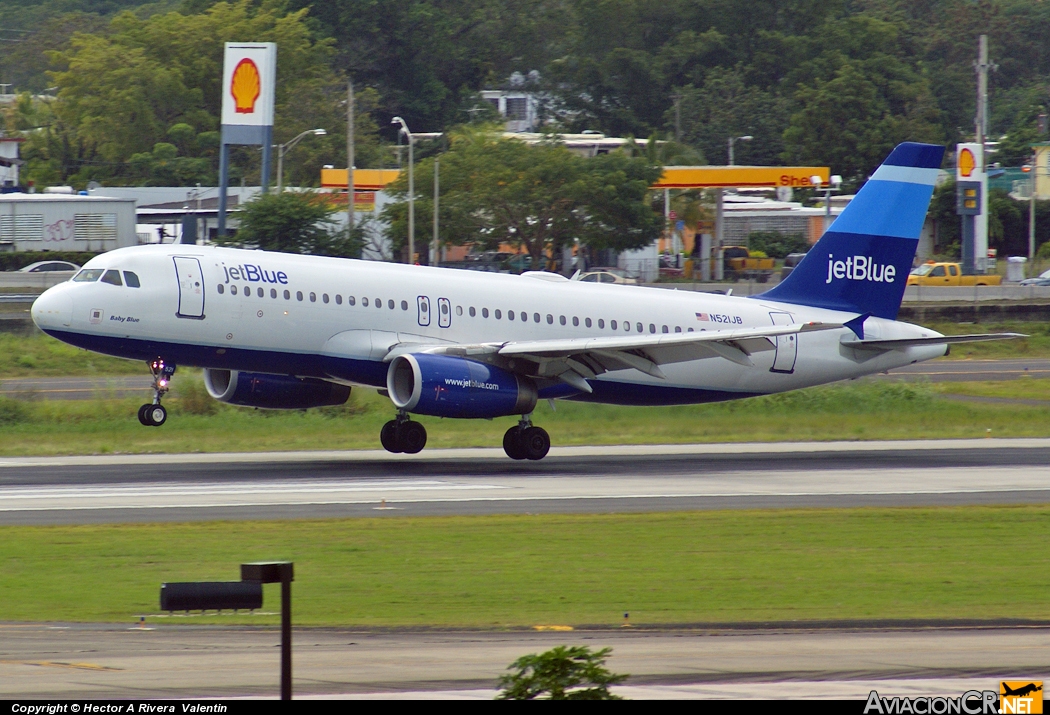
(573, 673)
(12, 411)
(540, 197)
(292, 222)
(775, 244)
(1007, 222)
(191, 396)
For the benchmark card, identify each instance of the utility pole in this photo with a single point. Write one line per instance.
(350, 156)
(436, 250)
(980, 247)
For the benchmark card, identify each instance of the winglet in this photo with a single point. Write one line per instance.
(857, 325)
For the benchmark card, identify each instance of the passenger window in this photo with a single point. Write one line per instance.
(561, 319)
(587, 322)
(131, 280)
(497, 314)
(364, 302)
(626, 326)
(390, 304)
(642, 329)
(601, 323)
(575, 321)
(350, 300)
(324, 298)
(220, 289)
(247, 291)
(88, 275)
(404, 306)
(233, 290)
(590, 279)
(953, 270)
(459, 309)
(510, 315)
(612, 324)
(112, 277)
(313, 297)
(484, 312)
(678, 328)
(273, 293)
(261, 293)
(379, 303)
(287, 295)
(338, 299)
(652, 328)
(690, 330)
(298, 295)
(550, 319)
(664, 329)
(536, 317)
(472, 312)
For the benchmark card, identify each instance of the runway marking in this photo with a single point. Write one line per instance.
(56, 664)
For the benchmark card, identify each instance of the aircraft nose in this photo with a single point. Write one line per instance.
(53, 309)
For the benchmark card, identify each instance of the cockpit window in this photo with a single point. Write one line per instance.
(112, 277)
(88, 275)
(131, 280)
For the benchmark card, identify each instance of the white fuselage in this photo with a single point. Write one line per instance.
(337, 318)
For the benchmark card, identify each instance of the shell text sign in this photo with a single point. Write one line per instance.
(245, 86)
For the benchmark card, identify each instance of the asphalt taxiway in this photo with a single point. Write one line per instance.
(142, 488)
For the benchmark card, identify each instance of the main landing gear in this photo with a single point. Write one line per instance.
(154, 414)
(403, 435)
(523, 441)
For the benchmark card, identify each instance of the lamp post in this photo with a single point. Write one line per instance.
(287, 146)
(411, 190)
(833, 185)
(734, 140)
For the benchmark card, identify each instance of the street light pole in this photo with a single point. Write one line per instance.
(350, 156)
(734, 140)
(288, 146)
(436, 258)
(411, 190)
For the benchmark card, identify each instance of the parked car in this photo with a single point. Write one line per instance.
(1043, 279)
(792, 260)
(608, 275)
(47, 266)
(949, 274)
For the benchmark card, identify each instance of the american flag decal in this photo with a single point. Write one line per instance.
(702, 316)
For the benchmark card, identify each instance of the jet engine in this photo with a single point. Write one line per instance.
(446, 386)
(273, 392)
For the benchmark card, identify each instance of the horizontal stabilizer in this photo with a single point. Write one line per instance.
(942, 340)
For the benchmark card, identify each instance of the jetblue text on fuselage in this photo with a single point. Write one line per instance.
(254, 274)
(860, 268)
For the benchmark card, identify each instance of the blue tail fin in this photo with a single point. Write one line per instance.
(861, 263)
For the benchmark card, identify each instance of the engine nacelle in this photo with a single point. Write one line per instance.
(446, 386)
(273, 392)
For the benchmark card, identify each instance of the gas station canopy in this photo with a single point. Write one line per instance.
(728, 177)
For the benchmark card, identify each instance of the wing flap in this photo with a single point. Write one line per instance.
(942, 340)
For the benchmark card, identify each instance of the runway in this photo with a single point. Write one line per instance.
(119, 661)
(147, 488)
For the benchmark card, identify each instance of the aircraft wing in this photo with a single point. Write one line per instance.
(575, 360)
(943, 340)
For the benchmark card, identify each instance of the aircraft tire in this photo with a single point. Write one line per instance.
(535, 443)
(388, 437)
(155, 415)
(512, 443)
(142, 415)
(411, 437)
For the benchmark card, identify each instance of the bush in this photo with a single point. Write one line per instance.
(561, 674)
(193, 397)
(777, 245)
(13, 412)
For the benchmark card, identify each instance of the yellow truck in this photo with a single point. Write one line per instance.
(949, 274)
(739, 263)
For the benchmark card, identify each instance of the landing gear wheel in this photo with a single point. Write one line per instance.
(142, 415)
(512, 443)
(388, 436)
(155, 415)
(411, 437)
(535, 443)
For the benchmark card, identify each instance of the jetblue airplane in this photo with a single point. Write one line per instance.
(281, 331)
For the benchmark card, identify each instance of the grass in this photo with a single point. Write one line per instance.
(508, 571)
(196, 423)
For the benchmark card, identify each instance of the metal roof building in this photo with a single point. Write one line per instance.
(62, 222)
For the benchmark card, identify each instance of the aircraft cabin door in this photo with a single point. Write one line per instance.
(423, 310)
(787, 346)
(444, 313)
(191, 287)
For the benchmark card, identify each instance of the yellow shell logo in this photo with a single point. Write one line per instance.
(245, 86)
(967, 163)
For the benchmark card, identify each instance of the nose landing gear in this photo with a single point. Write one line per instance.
(524, 441)
(401, 435)
(154, 414)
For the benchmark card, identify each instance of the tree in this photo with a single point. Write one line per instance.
(292, 222)
(539, 197)
(561, 673)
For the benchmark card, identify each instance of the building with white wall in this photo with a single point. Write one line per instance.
(59, 222)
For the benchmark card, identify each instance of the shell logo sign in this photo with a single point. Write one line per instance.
(248, 81)
(245, 86)
(967, 163)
